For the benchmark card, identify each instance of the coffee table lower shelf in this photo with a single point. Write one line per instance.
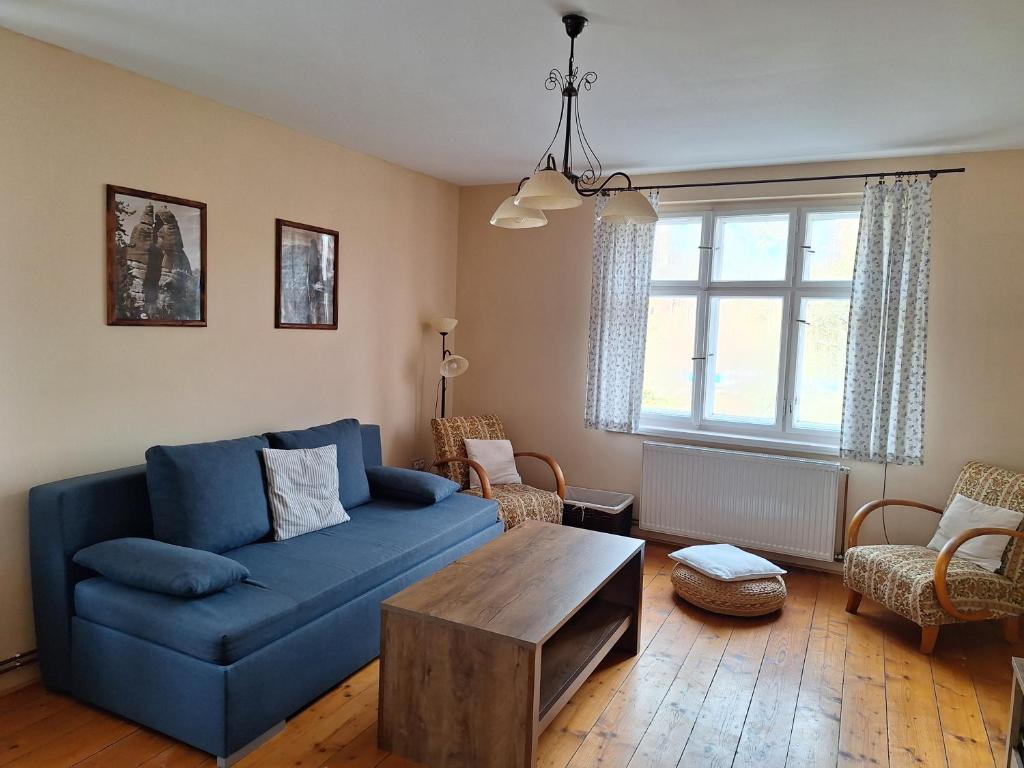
(569, 657)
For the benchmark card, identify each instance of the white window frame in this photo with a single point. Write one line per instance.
(782, 433)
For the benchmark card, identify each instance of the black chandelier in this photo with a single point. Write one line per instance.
(553, 188)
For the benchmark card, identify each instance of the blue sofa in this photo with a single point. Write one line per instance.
(220, 672)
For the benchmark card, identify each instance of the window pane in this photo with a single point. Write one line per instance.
(820, 363)
(751, 247)
(744, 337)
(668, 367)
(677, 248)
(831, 243)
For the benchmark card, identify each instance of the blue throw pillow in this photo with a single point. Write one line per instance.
(208, 495)
(409, 484)
(353, 488)
(159, 567)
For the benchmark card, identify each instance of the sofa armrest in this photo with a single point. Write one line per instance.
(942, 567)
(485, 483)
(64, 517)
(555, 469)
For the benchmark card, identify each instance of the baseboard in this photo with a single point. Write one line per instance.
(19, 678)
(683, 541)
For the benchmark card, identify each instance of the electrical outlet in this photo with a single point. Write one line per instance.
(419, 464)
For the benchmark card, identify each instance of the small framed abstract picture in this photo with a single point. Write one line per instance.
(307, 277)
(156, 259)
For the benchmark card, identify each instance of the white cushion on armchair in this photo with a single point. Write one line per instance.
(963, 514)
(495, 456)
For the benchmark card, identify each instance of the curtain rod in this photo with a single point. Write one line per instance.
(931, 172)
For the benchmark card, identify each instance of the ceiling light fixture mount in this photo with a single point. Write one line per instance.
(552, 188)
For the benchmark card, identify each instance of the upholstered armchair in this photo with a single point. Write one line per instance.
(935, 588)
(517, 502)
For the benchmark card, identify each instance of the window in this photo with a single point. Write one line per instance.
(746, 329)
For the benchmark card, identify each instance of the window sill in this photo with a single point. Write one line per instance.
(727, 440)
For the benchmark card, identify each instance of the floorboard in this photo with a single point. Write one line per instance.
(812, 687)
(863, 729)
(814, 740)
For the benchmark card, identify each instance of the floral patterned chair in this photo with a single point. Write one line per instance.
(935, 588)
(517, 502)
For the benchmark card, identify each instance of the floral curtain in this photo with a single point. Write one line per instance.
(883, 401)
(619, 295)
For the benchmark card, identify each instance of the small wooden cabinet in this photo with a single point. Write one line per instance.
(477, 659)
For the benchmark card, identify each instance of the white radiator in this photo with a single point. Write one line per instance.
(775, 503)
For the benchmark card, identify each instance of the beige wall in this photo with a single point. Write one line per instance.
(77, 396)
(524, 307)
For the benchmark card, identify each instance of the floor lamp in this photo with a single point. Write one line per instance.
(451, 365)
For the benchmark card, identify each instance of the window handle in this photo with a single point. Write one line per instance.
(704, 248)
(802, 321)
(808, 248)
(705, 357)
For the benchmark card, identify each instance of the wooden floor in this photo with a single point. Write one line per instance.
(812, 687)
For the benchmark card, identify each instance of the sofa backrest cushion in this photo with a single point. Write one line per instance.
(208, 496)
(353, 487)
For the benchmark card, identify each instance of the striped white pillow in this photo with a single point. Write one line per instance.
(303, 486)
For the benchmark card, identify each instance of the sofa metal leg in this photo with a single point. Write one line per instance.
(928, 637)
(252, 746)
(853, 601)
(1011, 629)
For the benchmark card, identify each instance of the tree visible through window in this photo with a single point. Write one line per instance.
(747, 323)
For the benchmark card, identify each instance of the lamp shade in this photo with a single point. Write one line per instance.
(512, 216)
(630, 207)
(454, 365)
(548, 190)
(444, 324)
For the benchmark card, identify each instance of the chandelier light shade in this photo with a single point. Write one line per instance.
(548, 190)
(512, 216)
(629, 207)
(553, 188)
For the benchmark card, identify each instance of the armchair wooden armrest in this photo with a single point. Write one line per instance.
(871, 506)
(485, 483)
(942, 566)
(550, 461)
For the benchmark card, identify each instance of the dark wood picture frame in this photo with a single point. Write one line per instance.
(280, 224)
(112, 257)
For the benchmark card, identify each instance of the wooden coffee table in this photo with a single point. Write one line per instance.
(477, 659)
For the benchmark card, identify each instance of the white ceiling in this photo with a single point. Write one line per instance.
(454, 88)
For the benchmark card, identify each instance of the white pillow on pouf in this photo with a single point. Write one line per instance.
(726, 562)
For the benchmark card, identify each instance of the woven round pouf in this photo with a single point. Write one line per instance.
(732, 598)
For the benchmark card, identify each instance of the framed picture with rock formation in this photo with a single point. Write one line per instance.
(307, 277)
(156, 259)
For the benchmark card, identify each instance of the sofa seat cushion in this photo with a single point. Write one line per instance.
(291, 582)
(902, 578)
